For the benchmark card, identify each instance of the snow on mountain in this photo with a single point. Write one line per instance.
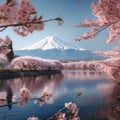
(51, 42)
(54, 48)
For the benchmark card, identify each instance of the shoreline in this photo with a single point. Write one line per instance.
(4, 74)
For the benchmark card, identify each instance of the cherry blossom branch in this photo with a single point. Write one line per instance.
(16, 102)
(106, 26)
(25, 97)
(71, 107)
(95, 32)
(59, 20)
(63, 108)
(3, 29)
(107, 15)
(22, 16)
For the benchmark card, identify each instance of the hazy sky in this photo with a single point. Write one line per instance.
(72, 12)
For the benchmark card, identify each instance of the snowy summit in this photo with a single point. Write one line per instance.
(51, 42)
(54, 48)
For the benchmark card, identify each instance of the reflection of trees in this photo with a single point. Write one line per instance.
(34, 83)
(4, 86)
(116, 91)
(116, 74)
(111, 112)
(84, 75)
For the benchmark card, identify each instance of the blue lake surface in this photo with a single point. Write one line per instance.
(97, 102)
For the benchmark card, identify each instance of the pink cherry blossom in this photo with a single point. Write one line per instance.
(24, 96)
(72, 110)
(14, 98)
(107, 13)
(4, 43)
(46, 95)
(114, 53)
(107, 16)
(33, 118)
(22, 16)
(111, 65)
(3, 62)
(61, 116)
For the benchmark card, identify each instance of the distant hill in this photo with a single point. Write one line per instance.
(54, 48)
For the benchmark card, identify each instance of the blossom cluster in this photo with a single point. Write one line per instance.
(84, 65)
(61, 116)
(21, 15)
(24, 96)
(72, 110)
(46, 95)
(114, 53)
(107, 13)
(112, 65)
(70, 114)
(33, 118)
(3, 62)
(34, 63)
(4, 43)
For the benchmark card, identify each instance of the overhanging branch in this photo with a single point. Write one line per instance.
(33, 22)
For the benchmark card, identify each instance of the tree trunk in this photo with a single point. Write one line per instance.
(10, 55)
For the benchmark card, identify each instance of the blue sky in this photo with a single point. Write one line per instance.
(72, 12)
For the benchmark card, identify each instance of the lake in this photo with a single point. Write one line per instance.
(97, 101)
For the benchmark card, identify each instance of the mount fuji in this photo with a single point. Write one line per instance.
(52, 47)
(51, 42)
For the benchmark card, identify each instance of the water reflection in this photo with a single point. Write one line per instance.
(85, 75)
(35, 84)
(98, 93)
(6, 92)
(111, 112)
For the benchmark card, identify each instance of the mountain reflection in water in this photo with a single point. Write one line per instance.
(98, 94)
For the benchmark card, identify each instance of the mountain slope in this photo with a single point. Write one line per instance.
(51, 42)
(54, 48)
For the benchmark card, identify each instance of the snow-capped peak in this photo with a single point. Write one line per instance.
(51, 42)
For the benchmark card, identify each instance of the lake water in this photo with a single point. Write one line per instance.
(97, 102)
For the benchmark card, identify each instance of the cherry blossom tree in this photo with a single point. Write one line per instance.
(22, 16)
(34, 63)
(111, 65)
(4, 46)
(3, 62)
(107, 16)
(114, 53)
